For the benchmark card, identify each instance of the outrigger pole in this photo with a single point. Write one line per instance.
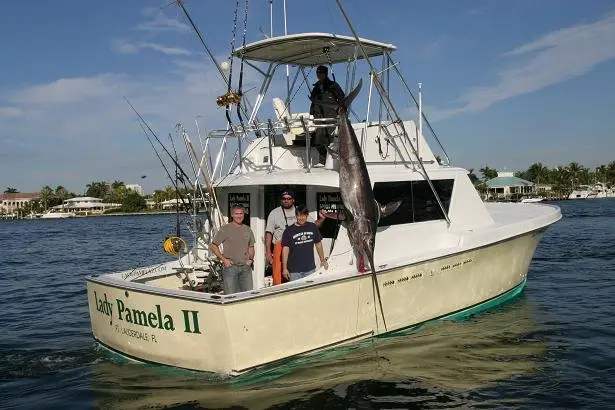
(391, 109)
(184, 175)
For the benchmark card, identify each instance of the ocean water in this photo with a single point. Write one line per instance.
(551, 347)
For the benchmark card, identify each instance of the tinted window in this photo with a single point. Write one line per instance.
(418, 202)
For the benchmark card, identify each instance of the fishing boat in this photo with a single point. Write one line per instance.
(596, 191)
(57, 214)
(532, 199)
(441, 253)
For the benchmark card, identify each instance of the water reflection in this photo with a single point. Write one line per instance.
(438, 363)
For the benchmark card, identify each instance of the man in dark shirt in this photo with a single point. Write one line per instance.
(298, 241)
(325, 97)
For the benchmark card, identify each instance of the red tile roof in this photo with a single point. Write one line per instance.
(19, 195)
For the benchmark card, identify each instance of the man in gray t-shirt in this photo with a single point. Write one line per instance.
(237, 240)
(277, 221)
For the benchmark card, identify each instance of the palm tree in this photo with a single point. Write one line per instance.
(46, 196)
(10, 190)
(537, 173)
(97, 189)
(575, 171)
(116, 184)
(610, 173)
(488, 173)
(61, 194)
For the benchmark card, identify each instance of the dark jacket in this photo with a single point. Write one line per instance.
(330, 94)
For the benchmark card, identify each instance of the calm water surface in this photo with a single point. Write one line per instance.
(552, 347)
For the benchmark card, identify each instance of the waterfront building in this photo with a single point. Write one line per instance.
(506, 186)
(11, 203)
(86, 205)
(135, 187)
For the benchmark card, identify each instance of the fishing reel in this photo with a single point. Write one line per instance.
(229, 98)
(173, 245)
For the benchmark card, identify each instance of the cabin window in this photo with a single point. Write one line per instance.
(418, 203)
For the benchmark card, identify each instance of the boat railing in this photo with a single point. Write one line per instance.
(292, 129)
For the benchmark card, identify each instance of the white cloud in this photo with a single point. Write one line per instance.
(124, 47)
(68, 90)
(551, 59)
(161, 23)
(80, 129)
(174, 51)
(10, 112)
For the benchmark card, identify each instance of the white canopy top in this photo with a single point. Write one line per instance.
(308, 49)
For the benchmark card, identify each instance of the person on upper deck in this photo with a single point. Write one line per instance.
(278, 220)
(325, 97)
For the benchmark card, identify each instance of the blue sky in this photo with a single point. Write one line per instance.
(506, 83)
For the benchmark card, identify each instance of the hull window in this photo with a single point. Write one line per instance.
(418, 203)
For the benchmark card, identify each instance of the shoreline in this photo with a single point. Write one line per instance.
(141, 213)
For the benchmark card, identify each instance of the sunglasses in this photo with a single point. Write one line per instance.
(287, 198)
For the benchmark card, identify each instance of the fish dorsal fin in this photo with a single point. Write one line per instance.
(353, 94)
(388, 209)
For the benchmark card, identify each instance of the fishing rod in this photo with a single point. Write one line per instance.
(158, 155)
(143, 126)
(240, 86)
(184, 175)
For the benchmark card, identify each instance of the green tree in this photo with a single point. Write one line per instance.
(97, 189)
(10, 190)
(488, 173)
(119, 194)
(473, 178)
(169, 192)
(610, 173)
(61, 194)
(133, 202)
(46, 197)
(116, 184)
(537, 173)
(159, 196)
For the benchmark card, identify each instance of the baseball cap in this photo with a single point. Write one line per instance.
(288, 191)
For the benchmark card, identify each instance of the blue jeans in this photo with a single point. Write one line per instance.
(237, 278)
(300, 275)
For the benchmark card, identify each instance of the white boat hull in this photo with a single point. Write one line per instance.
(58, 215)
(233, 337)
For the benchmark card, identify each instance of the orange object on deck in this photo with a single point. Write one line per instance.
(277, 263)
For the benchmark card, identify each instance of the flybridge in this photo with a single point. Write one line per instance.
(311, 49)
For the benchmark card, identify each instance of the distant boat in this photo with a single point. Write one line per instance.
(532, 199)
(56, 214)
(595, 191)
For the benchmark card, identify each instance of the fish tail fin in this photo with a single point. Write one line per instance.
(352, 95)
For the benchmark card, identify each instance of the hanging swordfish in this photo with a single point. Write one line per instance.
(363, 212)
